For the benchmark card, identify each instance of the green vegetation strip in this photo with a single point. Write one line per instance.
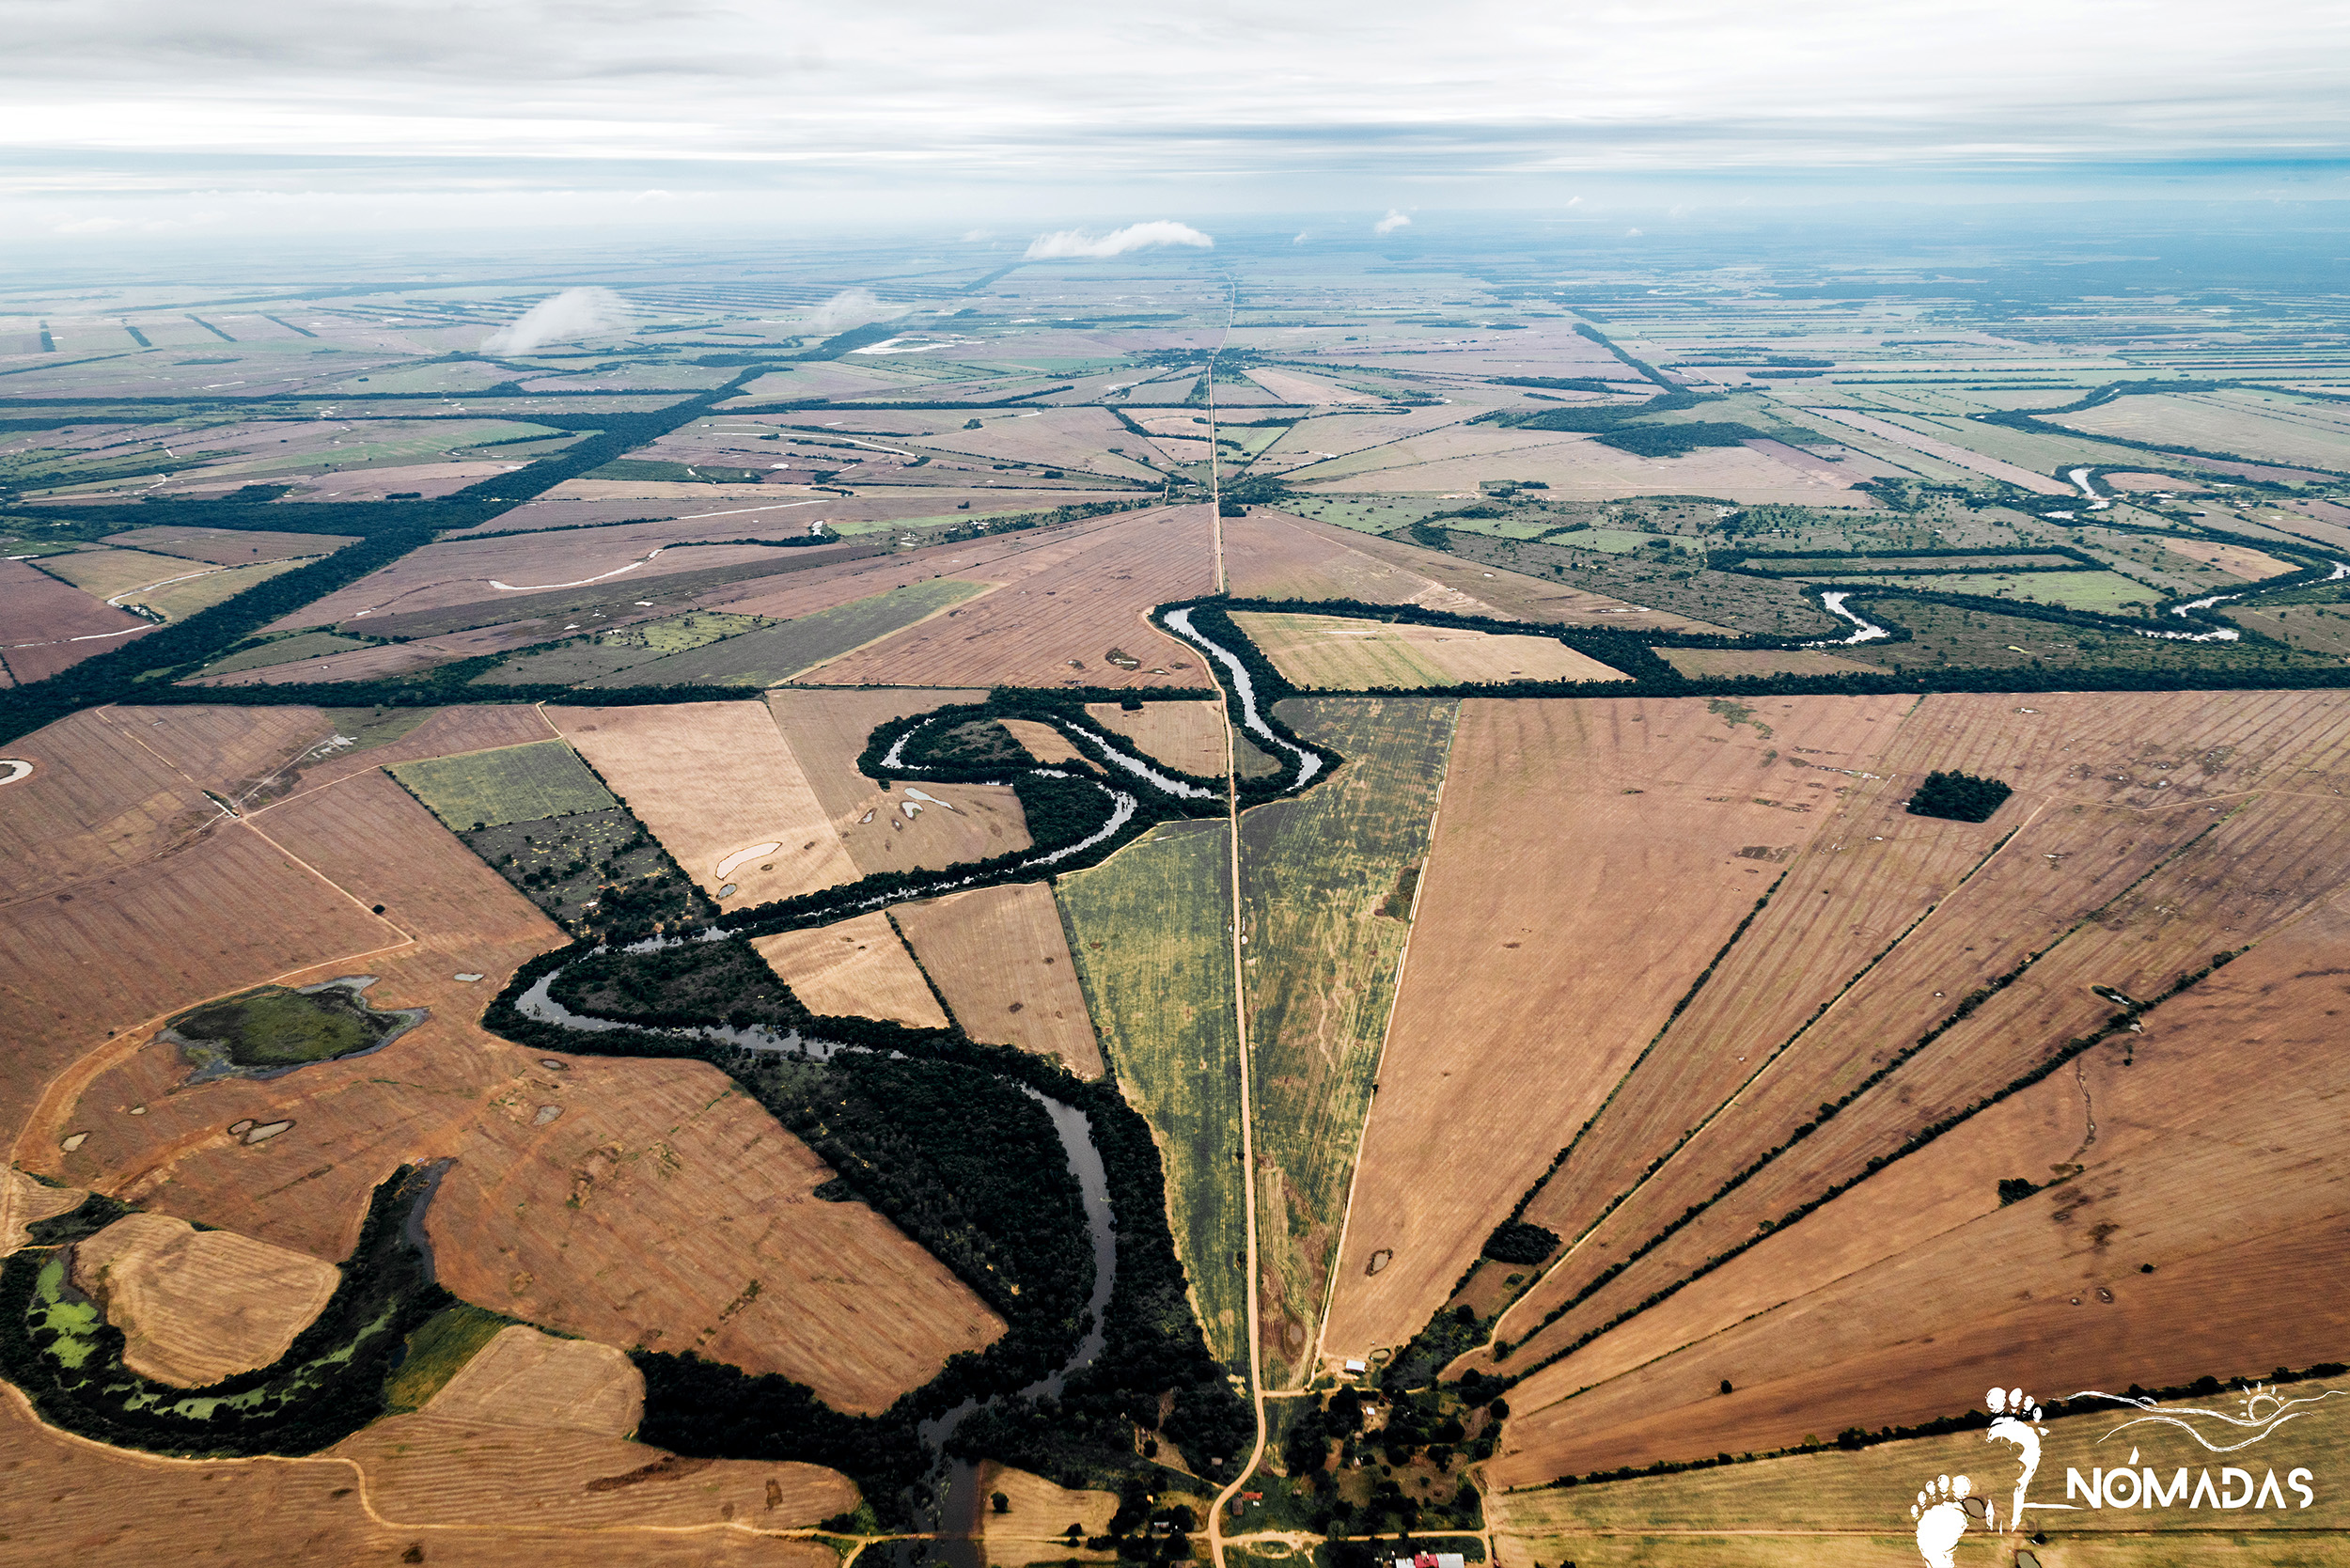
(517, 783)
(1149, 929)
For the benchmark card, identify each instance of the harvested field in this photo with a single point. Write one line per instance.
(512, 784)
(197, 1306)
(2236, 559)
(1325, 894)
(2260, 425)
(1150, 931)
(310, 1511)
(2232, 884)
(1046, 744)
(1273, 555)
(1574, 467)
(107, 574)
(112, 787)
(1312, 391)
(772, 655)
(855, 969)
(24, 1201)
(525, 1378)
(714, 780)
(1335, 653)
(1035, 1527)
(1501, 986)
(229, 546)
(658, 1195)
(1101, 585)
(1186, 736)
(1724, 664)
(382, 737)
(999, 957)
(433, 1471)
(2070, 1300)
(284, 650)
(1957, 456)
(115, 958)
(828, 731)
(47, 626)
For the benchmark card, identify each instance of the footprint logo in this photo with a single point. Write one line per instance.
(2016, 1420)
(1942, 1517)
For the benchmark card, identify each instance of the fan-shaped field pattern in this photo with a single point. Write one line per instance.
(2205, 1192)
(1590, 858)
(2119, 896)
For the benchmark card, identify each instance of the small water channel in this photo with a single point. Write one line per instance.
(955, 1503)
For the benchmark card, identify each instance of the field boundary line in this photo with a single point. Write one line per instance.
(78, 1073)
(1900, 1060)
(986, 590)
(1752, 1078)
(1371, 1104)
(1240, 982)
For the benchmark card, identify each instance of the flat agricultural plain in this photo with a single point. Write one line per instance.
(197, 1306)
(854, 969)
(1501, 986)
(1321, 652)
(714, 782)
(511, 784)
(1186, 736)
(999, 957)
(826, 731)
(1327, 883)
(1150, 929)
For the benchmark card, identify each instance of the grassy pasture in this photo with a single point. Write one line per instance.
(284, 650)
(1315, 875)
(512, 784)
(2106, 592)
(1149, 929)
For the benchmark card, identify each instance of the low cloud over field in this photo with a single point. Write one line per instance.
(850, 307)
(1393, 221)
(559, 319)
(1139, 236)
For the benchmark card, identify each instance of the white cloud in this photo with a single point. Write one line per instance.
(850, 307)
(562, 318)
(1299, 241)
(1393, 221)
(1138, 235)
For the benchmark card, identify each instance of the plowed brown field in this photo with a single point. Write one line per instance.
(1073, 601)
(712, 781)
(229, 546)
(1555, 813)
(46, 625)
(24, 1201)
(855, 968)
(1002, 961)
(197, 1306)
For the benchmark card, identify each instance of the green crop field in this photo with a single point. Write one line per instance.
(774, 656)
(512, 784)
(1325, 899)
(1149, 930)
(579, 660)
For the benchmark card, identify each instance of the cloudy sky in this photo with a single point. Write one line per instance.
(142, 116)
